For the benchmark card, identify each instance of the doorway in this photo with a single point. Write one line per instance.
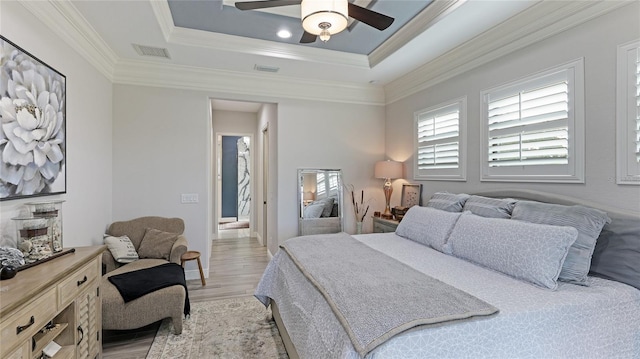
(234, 181)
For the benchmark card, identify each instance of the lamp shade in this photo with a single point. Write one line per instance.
(308, 196)
(388, 169)
(320, 15)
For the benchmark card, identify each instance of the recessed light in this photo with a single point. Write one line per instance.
(284, 34)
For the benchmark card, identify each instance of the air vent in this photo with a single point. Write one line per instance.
(264, 68)
(143, 50)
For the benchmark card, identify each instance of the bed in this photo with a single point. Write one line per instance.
(598, 318)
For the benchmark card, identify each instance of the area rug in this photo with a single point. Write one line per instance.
(226, 328)
(234, 225)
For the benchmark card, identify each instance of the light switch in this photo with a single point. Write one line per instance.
(189, 198)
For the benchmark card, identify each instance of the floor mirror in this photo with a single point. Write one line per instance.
(319, 201)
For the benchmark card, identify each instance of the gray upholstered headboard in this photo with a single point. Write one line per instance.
(617, 252)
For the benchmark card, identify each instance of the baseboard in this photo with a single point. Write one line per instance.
(195, 273)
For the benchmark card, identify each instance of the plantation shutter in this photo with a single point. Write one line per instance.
(637, 136)
(321, 186)
(530, 127)
(333, 183)
(439, 138)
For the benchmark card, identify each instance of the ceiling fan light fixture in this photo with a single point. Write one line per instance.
(324, 17)
(324, 35)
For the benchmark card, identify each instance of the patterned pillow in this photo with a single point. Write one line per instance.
(588, 222)
(490, 207)
(121, 248)
(428, 226)
(449, 202)
(526, 251)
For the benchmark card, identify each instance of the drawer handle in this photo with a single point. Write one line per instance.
(81, 335)
(21, 328)
(81, 282)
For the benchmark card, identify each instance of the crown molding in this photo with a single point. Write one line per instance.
(62, 17)
(163, 15)
(132, 72)
(541, 21)
(421, 22)
(239, 44)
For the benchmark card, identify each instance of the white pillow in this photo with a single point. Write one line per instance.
(526, 251)
(314, 210)
(428, 226)
(121, 248)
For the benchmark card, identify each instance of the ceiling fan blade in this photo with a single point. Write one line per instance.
(308, 38)
(252, 5)
(370, 17)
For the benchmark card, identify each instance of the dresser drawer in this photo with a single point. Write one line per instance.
(81, 279)
(384, 225)
(21, 353)
(20, 326)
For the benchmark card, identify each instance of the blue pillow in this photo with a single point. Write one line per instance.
(490, 207)
(588, 222)
(449, 202)
(617, 251)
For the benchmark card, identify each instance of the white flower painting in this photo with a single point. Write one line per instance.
(32, 132)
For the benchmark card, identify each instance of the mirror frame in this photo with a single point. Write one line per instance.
(301, 205)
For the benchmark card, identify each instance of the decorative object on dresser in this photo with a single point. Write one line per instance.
(360, 207)
(157, 241)
(411, 195)
(387, 170)
(33, 148)
(55, 302)
(39, 233)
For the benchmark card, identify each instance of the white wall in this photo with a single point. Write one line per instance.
(161, 149)
(87, 210)
(328, 136)
(596, 41)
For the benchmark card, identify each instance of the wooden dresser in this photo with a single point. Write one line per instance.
(59, 301)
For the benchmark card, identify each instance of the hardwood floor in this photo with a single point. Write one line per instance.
(235, 268)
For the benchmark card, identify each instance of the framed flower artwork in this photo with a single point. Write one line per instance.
(411, 195)
(33, 117)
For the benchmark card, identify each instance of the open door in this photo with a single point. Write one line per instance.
(234, 181)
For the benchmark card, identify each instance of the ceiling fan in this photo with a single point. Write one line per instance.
(323, 18)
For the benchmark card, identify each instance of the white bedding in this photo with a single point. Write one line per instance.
(599, 321)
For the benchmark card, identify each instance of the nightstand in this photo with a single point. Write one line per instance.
(381, 225)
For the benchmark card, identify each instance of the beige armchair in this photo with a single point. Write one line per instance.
(164, 303)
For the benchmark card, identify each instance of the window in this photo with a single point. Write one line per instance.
(439, 142)
(628, 114)
(533, 129)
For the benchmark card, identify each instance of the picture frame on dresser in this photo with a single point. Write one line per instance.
(411, 195)
(34, 150)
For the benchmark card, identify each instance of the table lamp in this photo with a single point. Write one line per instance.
(388, 170)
